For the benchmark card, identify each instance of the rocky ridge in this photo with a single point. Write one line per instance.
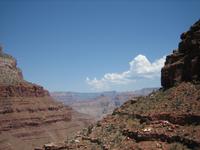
(168, 119)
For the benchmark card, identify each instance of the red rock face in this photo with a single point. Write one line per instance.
(22, 90)
(183, 64)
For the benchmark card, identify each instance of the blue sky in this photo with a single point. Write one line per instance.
(90, 45)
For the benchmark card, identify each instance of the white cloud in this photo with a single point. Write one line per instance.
(140, 68)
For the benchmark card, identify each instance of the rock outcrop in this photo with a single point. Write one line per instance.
(9, 73)
(29, 117)
(183, 64)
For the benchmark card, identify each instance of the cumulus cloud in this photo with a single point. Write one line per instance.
(140, 68)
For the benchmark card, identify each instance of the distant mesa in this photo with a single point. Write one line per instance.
(184, 63)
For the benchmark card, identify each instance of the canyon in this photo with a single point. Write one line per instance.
(168, 119)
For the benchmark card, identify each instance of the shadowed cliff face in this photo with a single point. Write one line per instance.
(28, 115)
(183, 64)
(168, 119)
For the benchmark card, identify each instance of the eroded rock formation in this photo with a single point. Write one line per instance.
(183, 64)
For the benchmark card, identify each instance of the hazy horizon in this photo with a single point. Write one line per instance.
(94, 46)
(104, 91)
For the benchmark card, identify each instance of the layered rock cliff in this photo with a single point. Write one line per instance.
(183, 64)
(28, 115)
(12, 83)
(168, 119)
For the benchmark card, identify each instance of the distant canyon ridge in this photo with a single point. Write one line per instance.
(100, 104)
